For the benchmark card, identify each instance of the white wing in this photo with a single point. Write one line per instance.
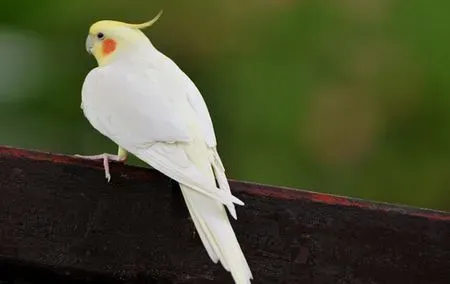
(151, 117)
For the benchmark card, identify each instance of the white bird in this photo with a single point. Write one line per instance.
(142, 101)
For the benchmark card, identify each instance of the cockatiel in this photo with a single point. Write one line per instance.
(142, 101)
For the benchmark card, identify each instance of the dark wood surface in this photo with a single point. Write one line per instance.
(60, 222)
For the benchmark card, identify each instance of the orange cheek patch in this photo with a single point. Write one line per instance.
(109, 45)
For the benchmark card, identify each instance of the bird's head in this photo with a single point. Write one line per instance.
(108, 39)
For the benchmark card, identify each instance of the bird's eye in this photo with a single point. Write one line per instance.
(100, 35)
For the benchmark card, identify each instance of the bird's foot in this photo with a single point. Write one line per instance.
(106, 158)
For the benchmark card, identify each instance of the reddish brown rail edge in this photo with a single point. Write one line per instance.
(61, 222)
(256, 189)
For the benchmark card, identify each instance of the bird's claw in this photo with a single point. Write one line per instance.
(105, 157)
(108, 177)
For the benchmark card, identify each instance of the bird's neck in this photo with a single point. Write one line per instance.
(135, 55)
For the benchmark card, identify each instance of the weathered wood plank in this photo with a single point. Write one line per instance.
(60, 222)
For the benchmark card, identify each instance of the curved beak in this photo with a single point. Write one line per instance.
(89, 43)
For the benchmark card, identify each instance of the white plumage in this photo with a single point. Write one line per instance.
(143, 102)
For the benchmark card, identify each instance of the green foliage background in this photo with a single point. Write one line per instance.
(348, 97)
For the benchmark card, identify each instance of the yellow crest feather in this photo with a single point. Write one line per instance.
(105, 24)
(146, 24)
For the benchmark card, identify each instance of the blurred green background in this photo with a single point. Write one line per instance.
(348, 97)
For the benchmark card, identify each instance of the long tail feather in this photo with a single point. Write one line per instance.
(197, 168)
(216, 233)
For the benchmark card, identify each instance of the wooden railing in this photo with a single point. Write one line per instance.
(61, 222)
